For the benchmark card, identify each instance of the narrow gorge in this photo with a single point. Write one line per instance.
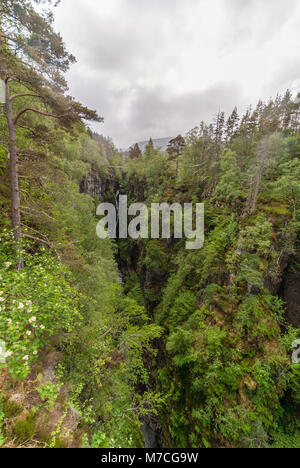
(115, 342)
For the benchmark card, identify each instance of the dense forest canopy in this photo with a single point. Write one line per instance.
(133, 343)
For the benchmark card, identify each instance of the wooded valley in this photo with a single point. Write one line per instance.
(133, 343)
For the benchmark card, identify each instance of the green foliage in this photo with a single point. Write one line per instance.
(259, 316)
(2, 416)
(230, 186)
(49, 393)
(226, 339)
(196, 339)
(248, 260)
(36, 303)
(156, 259)
(184, 306)
(287, 187)
(132, 288)
(136, 338)
(100, 440)
(287, 441)
(150, 173)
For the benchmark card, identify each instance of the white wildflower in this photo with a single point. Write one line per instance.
(21, 306)
(7, 264)
(28, 333)
(42, 327)
(33, 319)
(26, 358)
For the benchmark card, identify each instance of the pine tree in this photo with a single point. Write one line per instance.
(295, 115)
(286, 110)
(288, 185)
(230, 186)
(135, 152)
(34, 56)
(175, 148)
(218, 137)
(232, 124)
(149, 148)
(271, 151)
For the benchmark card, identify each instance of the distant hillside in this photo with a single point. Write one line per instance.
(158, 143)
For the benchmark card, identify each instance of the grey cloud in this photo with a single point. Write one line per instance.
(154, 112)
(149, 69)
(126, 39)
(289, 74)
(256, 20)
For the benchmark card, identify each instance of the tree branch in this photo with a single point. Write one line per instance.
(32, 210)
(7, 37)
(29, 109)
(38, 240)
(25, 95)
(45, 240)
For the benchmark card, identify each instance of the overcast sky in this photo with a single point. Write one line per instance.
(158, 67)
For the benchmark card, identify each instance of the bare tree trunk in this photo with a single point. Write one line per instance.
(295, 206)
(256, 190)
(263, 153)
(216, 162)
(13, 153)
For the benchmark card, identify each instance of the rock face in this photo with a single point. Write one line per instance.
(94, 185)
(291, 292)
(62, 420)
(54, 425)
(151, 433)
(287, 287)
